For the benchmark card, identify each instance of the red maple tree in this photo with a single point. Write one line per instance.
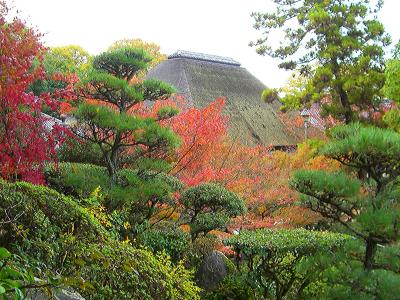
(25, 143)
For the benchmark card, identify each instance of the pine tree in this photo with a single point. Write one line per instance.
(337, 44)
(111, 123)
(367, 205)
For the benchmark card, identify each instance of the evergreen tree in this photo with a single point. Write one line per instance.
(337, 44)
(209, 206)
(151, 48)
(368, 208)
(392, 84)
(111, 122)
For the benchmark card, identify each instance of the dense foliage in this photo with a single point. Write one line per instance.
(141, 199)
(63, 239)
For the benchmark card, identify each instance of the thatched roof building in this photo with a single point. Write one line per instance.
(201, 78)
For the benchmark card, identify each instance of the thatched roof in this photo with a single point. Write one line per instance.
(201, 78)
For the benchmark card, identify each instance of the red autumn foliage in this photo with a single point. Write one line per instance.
(258, 174)
(202, 132)
(208, 155)
(25, 144)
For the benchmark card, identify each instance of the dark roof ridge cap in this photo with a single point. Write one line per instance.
(213, 63)
(204, 57)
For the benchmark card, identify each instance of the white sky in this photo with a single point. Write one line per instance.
(220, 27)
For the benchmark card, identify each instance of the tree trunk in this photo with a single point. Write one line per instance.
(344, 101)
(369, 254)
(112, 167)
(111, 171)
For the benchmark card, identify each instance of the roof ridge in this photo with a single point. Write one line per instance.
(204, 57)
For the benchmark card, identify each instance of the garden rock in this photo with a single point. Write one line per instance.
(62, 294)
(212, 270)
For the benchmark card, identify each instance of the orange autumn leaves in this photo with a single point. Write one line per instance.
(202, 132)
(259, 175)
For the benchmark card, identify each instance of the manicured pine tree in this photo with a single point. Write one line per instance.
(111, 123)
(209, 206)
(367, 208)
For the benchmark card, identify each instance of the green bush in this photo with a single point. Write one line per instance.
(173, 240)
(60, 237)
(122, 272)
(137, 197)
(38, 213)
(131, 190)
(233, 287)
(284, 263)
(76, 179)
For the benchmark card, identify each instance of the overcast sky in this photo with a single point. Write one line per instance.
(220, 27)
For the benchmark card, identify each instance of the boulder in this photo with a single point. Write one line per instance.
(212, 270)
(60, 294)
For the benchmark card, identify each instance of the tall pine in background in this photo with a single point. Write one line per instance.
(337, 44)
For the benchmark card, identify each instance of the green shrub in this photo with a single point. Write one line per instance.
(135, 199)
(173, 240)
(283, 263)
(122, 272)
(130, 193)
(42, 214)
(57, 236)
(233, 287)
(76, 179)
